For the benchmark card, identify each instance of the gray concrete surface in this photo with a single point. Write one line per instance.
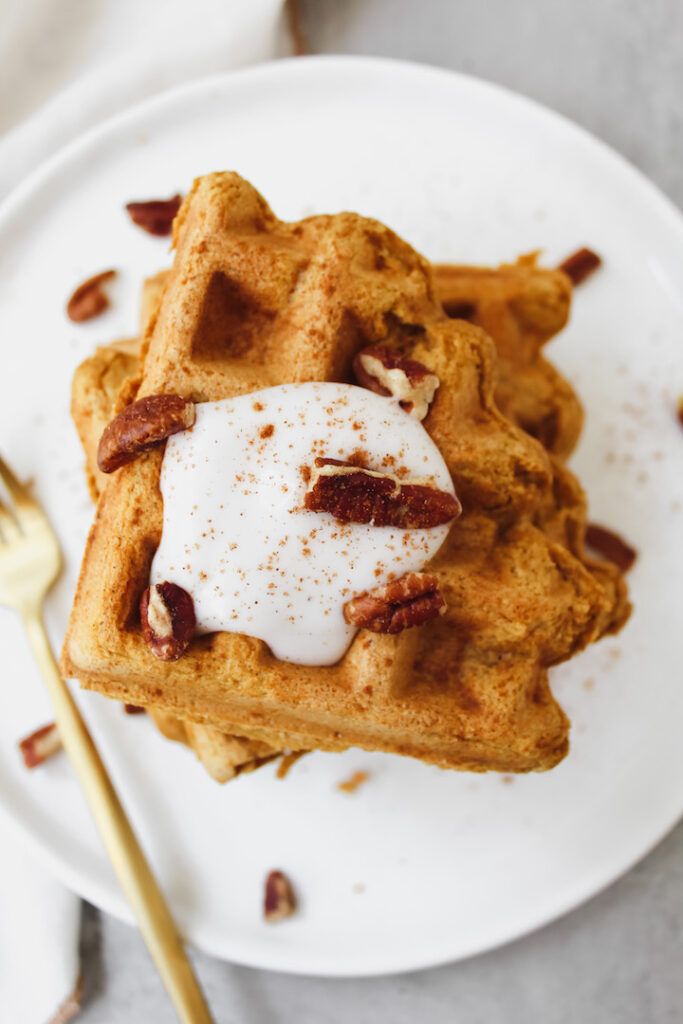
(615, 66)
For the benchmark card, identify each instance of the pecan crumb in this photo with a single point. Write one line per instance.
(679, 411)
(580, 265)
(133, 709)
(611, 546)
(89, 299)
(352, 784)
(279, 899)
(257, 407)
(267, 431)
(155, 216)
(39, 745)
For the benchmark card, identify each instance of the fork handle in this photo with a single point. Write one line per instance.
(137, 881)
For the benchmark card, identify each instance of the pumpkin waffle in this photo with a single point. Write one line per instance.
(521, 306)
(252, 302)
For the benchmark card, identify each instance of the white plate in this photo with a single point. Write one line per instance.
(419, 866)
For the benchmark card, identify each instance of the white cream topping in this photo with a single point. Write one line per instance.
(236, 534)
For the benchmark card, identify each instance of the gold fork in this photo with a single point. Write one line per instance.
(30, 562)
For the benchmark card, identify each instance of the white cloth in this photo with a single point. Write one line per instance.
(65, 67)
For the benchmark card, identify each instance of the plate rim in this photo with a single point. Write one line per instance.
(29, 832)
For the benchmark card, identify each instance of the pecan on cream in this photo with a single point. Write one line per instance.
(142, 425)
(89, 299)
(409, 601)
(354, 494)
(279, 900)
(168, 620)
(155, 216)
(387, 372)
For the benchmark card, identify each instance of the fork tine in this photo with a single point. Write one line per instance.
(27, 511)
(18, 492)
(9, 529)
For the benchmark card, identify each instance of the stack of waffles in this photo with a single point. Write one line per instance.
(252, 302)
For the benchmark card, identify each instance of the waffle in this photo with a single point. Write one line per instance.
(521, 306)
(101, 382)
(252, 302)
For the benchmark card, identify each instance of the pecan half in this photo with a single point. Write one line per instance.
(142, 425)
(387, 372)
(611, 546)
(580, 265)
(89, 300)
(409, 601)
(155, 216)
(168, 620)
(40, 745)
(279, 900)
(357, 495)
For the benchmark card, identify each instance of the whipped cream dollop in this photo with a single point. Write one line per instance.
(236, 534)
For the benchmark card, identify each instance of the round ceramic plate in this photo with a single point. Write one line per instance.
(419, 866)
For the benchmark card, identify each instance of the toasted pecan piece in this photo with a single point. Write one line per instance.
(155, 216)
(355, 494)
(611, 546)
(400, 604)
(387, 372)
(89, 299)
(580, 265)
(168, 620)
(279, 900)
(41, 744)
(142, 425)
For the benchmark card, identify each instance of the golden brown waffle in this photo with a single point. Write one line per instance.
(253, 302)
(521, 306)
(99, 383)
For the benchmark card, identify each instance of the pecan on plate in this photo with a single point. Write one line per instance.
(355, 494)
(386, 372)
(611, 546)
(89, 299)
(168, 620)
(580, 265)
(409, 601)
(142, 425)
(41, 744)
(155, 216)
(279, 900)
